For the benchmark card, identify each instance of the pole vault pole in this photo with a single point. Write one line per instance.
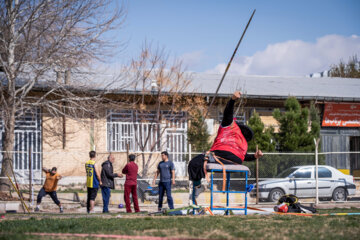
(228, 65)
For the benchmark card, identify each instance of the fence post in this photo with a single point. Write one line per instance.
(30, 176)
(190, 186)
(127, 151)
(316, 141)
(257, 177)
(189, 157)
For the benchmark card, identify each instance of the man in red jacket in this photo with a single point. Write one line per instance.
(131, 170)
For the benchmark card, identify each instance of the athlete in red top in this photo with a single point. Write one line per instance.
(230, 145)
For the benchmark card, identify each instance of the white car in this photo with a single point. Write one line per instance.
(300, 181)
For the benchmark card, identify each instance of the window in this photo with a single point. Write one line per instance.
(27, 139)
(324, 172)
(139, 132)
(287, 173)
(303, 173)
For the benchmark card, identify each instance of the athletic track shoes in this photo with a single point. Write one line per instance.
(199, 189)
(37, 209)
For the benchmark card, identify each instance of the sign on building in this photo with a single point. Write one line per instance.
(341, 115)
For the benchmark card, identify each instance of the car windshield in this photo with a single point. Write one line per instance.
(286, 172)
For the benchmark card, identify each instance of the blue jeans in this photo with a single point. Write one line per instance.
(165, 186)
(106, 192)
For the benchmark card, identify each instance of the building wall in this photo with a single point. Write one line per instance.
(70, 160)
(337, 140)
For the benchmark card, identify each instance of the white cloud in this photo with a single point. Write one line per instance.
(295, 57)
(192, 59)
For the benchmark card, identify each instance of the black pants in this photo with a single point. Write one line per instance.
(91, 195)
(43, 193)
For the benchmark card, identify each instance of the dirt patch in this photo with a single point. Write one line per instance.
(4, 196)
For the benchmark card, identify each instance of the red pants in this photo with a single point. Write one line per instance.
(131, 189)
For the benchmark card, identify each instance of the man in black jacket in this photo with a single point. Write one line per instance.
(107, 179)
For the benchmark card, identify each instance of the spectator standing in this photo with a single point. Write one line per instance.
(50, 185)
(166, 169)
(107, 179)
(93, 181)
(131, 170)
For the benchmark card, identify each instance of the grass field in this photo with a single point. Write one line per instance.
(215, 227)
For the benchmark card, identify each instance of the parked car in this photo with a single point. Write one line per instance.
(300, 181)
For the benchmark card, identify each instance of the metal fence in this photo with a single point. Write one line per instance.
(271, 167)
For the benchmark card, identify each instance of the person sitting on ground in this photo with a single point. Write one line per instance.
(229, 147)
(50, 185)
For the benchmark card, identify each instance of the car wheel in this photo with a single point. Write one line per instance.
(275, 194)
(339, 194)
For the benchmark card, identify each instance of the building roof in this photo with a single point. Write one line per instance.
(256, 87)
(272, 87)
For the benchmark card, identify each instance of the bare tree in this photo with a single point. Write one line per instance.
(162, 101)
(39, 37)
(346, 70)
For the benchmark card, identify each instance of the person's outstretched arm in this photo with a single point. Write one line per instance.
(252, 157)
(229, 110)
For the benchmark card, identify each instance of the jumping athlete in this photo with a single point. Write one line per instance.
(229, 147)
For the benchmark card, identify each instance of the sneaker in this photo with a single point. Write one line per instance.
(37, 209)
(199, 189)
(61, 210)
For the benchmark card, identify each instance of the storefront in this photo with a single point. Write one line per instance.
(340, 132)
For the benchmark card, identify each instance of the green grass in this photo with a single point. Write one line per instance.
(228, 227)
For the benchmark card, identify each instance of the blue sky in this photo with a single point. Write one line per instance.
(284, 38)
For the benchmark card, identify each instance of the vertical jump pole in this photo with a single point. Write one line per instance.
(316, 141)
(191, 189)
(30, 177)
(257, 177)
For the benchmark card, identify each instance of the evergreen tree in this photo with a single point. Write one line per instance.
(294, 123)
(294, 134)
(198, 136)
(262, 137)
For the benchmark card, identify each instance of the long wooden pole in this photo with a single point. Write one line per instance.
(229, 63)
(18, 192)
(17, 188)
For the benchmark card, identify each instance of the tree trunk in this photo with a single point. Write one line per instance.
(144, 170)
(8, 147)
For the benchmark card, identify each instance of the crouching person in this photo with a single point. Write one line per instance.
(50, 185)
